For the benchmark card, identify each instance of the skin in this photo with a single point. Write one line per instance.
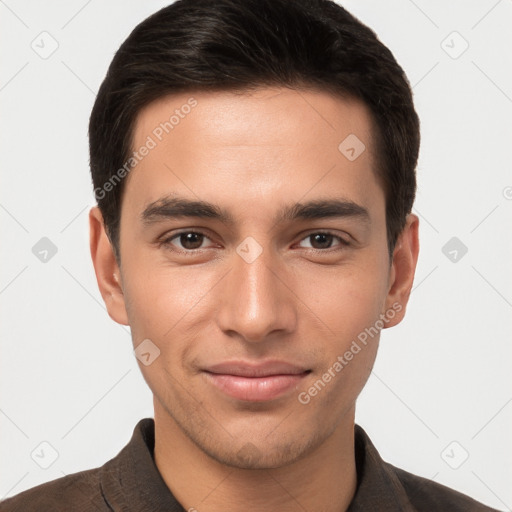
(301, 300)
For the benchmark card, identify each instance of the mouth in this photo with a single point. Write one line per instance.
(255, 382)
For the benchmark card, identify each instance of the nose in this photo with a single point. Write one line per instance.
(256, 302)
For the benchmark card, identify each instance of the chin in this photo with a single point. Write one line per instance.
(246, 454)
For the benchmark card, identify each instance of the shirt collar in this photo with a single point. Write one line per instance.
(131, 481)
(378, 487)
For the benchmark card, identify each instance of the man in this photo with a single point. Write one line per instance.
(254, 166)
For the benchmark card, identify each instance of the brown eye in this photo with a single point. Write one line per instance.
(191, 240)
(322, 240)
(186, 241)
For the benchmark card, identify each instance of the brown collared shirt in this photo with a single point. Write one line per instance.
(131, 482)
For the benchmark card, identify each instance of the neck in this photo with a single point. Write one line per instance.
(324, 479)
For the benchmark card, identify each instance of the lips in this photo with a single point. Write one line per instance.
(255, 382)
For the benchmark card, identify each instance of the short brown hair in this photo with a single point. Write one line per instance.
(245, 44)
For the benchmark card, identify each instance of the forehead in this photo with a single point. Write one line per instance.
(254, 148)
(265, 116)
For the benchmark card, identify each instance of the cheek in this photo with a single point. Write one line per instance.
(346, 301)
(161, 304)
(160, 299)
(349, 307)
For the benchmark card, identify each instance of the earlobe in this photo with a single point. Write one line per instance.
(106, 268)
(403, 268)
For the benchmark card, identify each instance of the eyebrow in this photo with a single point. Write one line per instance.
(177, 207)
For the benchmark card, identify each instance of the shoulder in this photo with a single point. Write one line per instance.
(382, 486)
(77, 491)
(427, 495)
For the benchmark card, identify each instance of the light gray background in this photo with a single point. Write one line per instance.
(68, 374)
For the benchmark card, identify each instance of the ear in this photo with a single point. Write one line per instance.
(403, 268)
(106, 268)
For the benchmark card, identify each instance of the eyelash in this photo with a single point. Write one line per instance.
(190, 252)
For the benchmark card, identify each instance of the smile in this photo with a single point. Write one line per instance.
(255, 383)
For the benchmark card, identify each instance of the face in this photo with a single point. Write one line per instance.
(264, 299)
